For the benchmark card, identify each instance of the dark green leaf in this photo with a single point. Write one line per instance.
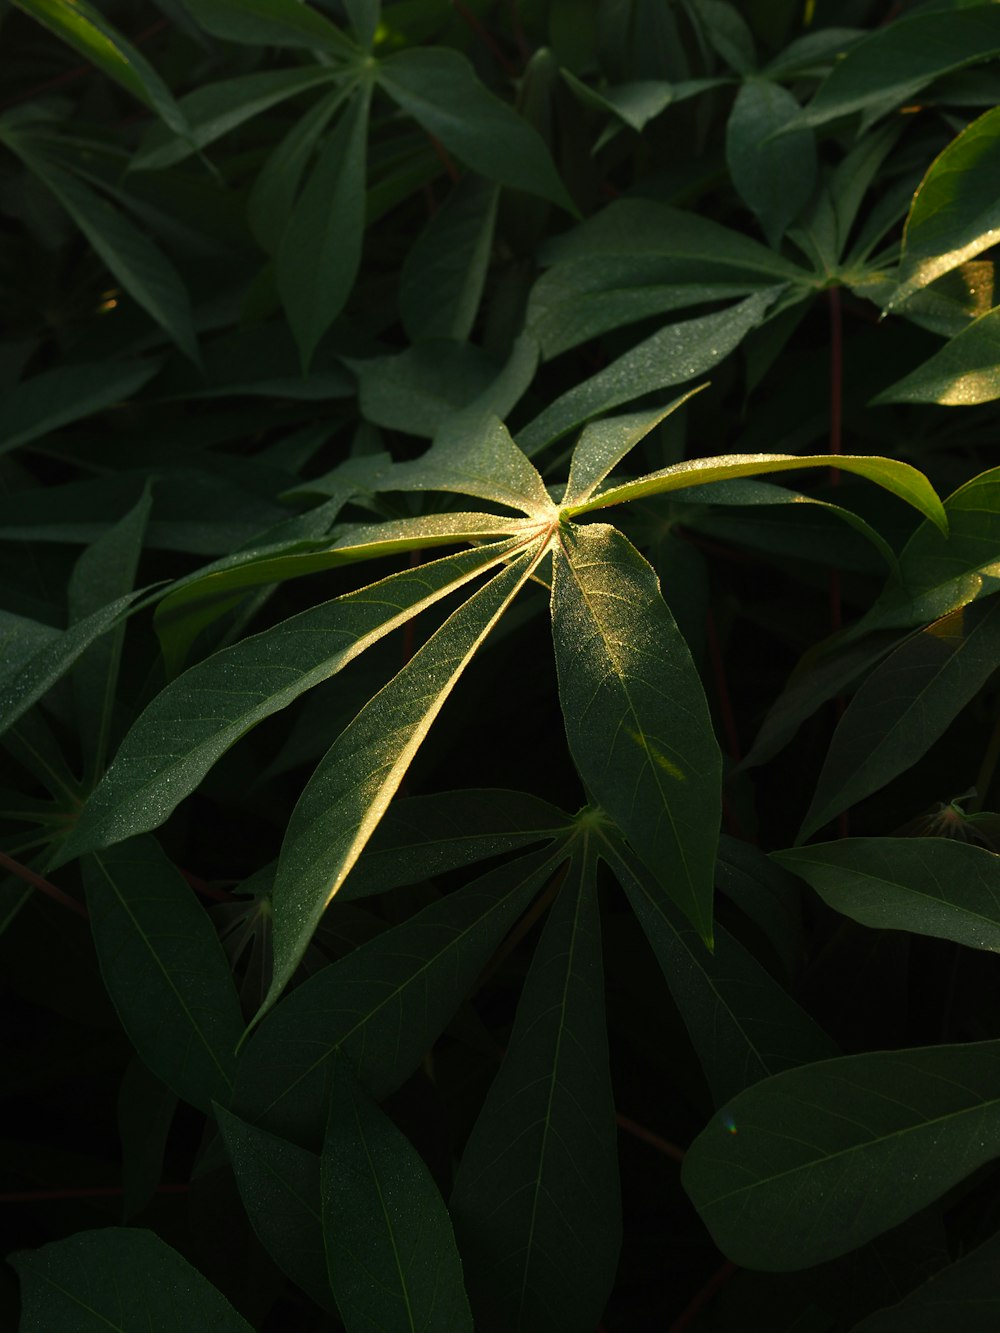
(320, 248)
(439, 89)
(104, 571)
(636, 718)
(165, 970)
(48, 664)
(774, 175)
(216, 109)
(390, 1248)
(118, 1279)
(279, 1183)
(930, 886)
(906, 703)
(54, 398)
(441, 281)
(536, 1200)
(385, 1004)
(814, 1162)
(897, 60)
(965, 1295)
(271, 23)
(742, 1025)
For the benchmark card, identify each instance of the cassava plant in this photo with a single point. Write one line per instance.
(382, 952)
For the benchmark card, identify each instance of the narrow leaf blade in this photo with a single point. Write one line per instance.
(636, 717)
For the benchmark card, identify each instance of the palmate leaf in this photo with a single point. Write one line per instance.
(811, 1163)
(117, 1280)
(906, 703)
(164, 969)
(742, 1025)
(390, 1247)
(279, 1183)
(217, 108)
(536, 1199)
(635, 713)
(202, 713)
(351, 788)
(384, 1004)
(930, 886)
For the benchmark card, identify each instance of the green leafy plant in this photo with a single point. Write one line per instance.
(435, 441)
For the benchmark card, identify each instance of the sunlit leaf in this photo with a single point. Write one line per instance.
(203, 712)
(899, 478)
(603, 444)
(965, 371)
(930, 886)
(811, 1163)
(350, 790)
(390, 1248)
(536, 1200)
(636, 717)
(955, 214)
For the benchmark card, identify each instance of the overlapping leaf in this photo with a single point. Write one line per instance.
(930, 886)
(536, 1200)
(384, 1004)
(389, 1243)
(808, 1165)
(351, 788)
(165, 970)
(202, 713)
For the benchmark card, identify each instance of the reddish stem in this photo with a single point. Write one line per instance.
(85, 1192)
(205, 889)
(718, 1279)
(43, 885)
(443, 155)
(654, 1140)
(77, 72)
(467, 16)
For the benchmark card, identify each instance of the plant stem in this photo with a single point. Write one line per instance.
(36, 881)
(718, 1279)
(647, 1136)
